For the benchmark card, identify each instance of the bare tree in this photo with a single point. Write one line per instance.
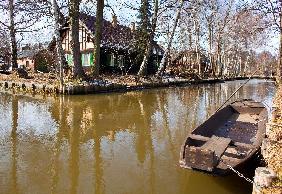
(177, 16)
(78, 71)
(273, 9)
(22, 16)
(59, 47)
(13, 34)
(195, 13)
(98, 36)
(211, 9)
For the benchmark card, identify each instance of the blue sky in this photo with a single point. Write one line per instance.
(125, 16)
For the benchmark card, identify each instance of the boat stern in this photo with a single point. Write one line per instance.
(201, 159)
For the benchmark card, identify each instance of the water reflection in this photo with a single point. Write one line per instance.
(14, 144)
(112, 143)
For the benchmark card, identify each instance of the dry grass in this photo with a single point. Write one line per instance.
(273, 155)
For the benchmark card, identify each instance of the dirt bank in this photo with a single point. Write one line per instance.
(272, 152)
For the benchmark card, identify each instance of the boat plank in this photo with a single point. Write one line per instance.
(199, 137)
(217, 144)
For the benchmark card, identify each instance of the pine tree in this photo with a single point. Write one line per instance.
(144, 15)
(143, 27)
(149, 45)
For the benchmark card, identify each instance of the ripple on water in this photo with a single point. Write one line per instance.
(112, 143)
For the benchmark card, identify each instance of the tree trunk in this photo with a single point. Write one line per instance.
(162, 65)
(60, 51)
(197, 43)
(74, 16)
(210, 45)
(98, 37)
(13, 35)
(144, 65)
(218, 56)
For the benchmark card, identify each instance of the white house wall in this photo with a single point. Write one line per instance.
(83, 34)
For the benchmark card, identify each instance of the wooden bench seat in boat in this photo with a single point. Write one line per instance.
(217, 144)
(204, 138)
(199, 137)
(207, 156)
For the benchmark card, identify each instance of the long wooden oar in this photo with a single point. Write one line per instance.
(237, 90)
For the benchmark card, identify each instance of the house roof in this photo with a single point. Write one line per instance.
(26, 54)
(118, 36)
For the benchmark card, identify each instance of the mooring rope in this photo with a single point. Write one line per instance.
(244, 177)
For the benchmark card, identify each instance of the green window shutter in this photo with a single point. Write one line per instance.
(82, 59)
(91, 59)
(69, 59)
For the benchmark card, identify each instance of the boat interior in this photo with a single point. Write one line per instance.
(234, 134)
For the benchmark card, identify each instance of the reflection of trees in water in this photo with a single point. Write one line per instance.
(58, 112)
(104, 117)
(14, 140)
(98, 168)
(5, 100)
(84, 118)
(162, 99)
(74, 141)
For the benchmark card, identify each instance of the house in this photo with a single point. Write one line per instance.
(28, 55)
(118, 45)
(26, 58)
(188, 60)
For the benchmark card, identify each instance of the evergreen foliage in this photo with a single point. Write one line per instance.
(144, 26)
(44, 61)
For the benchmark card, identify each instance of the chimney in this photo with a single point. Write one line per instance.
(132, 26)
(114, 21)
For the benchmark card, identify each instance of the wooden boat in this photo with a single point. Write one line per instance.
(229, 137)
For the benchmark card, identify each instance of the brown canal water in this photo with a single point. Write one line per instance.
(118, 143)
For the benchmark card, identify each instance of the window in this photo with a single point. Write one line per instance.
(121, 61)
(113, 58)
(69, 59)
(87, 59)
(84, 60)
(27, 63)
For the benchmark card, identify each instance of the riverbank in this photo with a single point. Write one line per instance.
(272, 148)
(48, 84)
